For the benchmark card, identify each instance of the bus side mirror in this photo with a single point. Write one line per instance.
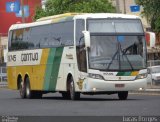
(87, 39)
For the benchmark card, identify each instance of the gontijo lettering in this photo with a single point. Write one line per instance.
(29, 57)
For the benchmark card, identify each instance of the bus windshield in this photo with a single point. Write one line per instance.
(117, 53)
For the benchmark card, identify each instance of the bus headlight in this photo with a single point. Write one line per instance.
(141, 76)
(96, 76)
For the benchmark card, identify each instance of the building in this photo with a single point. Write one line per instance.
(43, 3)
(123, 6)
(11, 13)
(8, 17)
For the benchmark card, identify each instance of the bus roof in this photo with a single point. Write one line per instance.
(88, 15)
(71, 16)
(105, 15)
(60, 16)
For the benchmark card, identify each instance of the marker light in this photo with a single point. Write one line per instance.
(94, 89)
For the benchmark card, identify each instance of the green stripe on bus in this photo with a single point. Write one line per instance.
(55, 68)
(127, 74)
(49, 68)
(52, 68)
(124, 73)
(120, 73)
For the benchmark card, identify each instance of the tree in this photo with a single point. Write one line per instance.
(53, 7)
(151, 11)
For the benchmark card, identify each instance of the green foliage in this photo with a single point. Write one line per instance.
(39, 13)
(151, 10)
(54, 7)
(157, 24)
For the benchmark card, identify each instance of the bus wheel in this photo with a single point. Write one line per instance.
(123, 95)
(29, 93)
(22, 90)
(74, 95)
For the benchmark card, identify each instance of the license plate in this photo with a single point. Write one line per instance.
(119, 85)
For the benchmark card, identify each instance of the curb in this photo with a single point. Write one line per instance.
(152, 90)
(146, 91)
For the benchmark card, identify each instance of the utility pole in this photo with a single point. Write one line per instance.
(22, 7)
(124, 5)
(117, 6)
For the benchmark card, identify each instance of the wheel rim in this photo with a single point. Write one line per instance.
(21, 90)
(28, 90)
(71, 89)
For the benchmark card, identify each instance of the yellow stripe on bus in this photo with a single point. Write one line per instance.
(36, 73)
(135, 73)
(42, 70)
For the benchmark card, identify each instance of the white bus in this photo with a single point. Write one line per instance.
(78, 54)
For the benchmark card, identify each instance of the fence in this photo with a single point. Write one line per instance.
(3, 76)
(153, 63)
(3, 48)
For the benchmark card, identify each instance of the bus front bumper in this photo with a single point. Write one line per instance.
(96, 85)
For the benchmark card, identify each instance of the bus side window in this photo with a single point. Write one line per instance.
(82, 56)
(80, 46)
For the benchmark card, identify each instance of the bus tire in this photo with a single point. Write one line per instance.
(73, 95)
(22, 90)
(123, 95)
(29, 93)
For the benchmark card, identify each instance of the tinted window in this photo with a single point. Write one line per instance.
(51, 35)
(61, 34)
(17, 40)
(79, 29)
(80, 46)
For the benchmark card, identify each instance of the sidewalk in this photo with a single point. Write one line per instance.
(147, 91)
(151, 89)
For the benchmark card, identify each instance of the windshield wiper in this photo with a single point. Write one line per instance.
(119, 60)
(116, 54)
(128, 61)
(123, 54)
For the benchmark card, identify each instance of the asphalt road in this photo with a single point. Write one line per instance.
(97, 105)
